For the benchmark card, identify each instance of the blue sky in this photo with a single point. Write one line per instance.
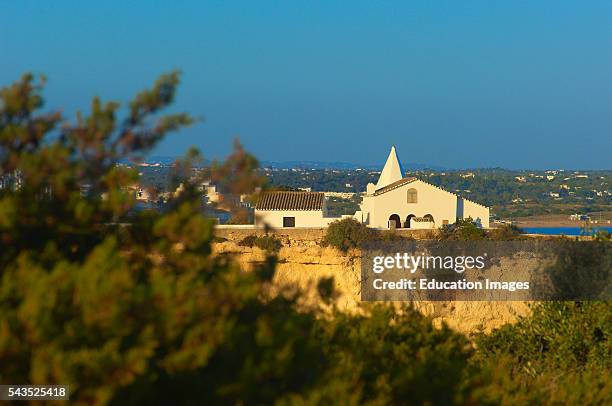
(515, 84)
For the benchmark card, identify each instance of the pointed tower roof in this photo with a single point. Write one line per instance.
(392, 172)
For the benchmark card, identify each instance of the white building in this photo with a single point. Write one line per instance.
(398, 202)
(210, 192)
(292, 209)
(394, 202)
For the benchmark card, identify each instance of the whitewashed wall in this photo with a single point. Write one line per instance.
(303, 219)
(441, 204)
(479, 213)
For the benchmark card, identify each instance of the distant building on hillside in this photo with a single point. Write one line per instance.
(211, 194)
(579, 217)
(341, 195)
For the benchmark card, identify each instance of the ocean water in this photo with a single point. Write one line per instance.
(561, 230)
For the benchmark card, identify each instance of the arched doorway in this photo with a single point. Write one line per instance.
(410, 217)
(394, 221)
(429, 217)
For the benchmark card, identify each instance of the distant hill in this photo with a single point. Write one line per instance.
(341, 165)
(161, 159)
(164, 160)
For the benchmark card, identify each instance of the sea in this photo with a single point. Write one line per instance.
(573, 231)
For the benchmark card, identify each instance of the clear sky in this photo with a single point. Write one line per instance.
(515, 84)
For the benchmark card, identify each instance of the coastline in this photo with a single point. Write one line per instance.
(562, 220)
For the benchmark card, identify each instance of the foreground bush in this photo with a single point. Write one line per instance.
(561, 354)
(396, 357)
(139, 312)
(557, 336)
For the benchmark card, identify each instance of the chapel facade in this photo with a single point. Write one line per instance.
(394, 202)
(399, 202)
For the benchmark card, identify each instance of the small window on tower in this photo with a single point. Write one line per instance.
(288, 221)
(412, 196)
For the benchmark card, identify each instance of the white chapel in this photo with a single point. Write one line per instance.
(394, 202)
(398, 202)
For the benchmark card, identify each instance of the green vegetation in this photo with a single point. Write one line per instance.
(266, 242)
(505, 232)
(561, 354)
(468, 230)
(509, 193)
(462, 230)
(130, 307)
(395, 357)
(338, 206)
(346, 234)
(349, 233)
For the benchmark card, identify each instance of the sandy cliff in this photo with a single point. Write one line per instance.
(302, 262)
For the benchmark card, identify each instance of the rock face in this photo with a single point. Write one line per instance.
(302, 262)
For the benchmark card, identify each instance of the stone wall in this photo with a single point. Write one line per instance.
(289, 235)
(300, 235)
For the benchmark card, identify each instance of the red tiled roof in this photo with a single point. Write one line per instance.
(291, 201)
(393, 185)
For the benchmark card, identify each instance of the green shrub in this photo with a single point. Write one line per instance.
(602, 235)
(390, 356)
(557, 336)
(506, 232)
(136, 314)
(561, 353)
(346, 233)
(248, 241)
(266, 242)
(581, 269)
(462, 230)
